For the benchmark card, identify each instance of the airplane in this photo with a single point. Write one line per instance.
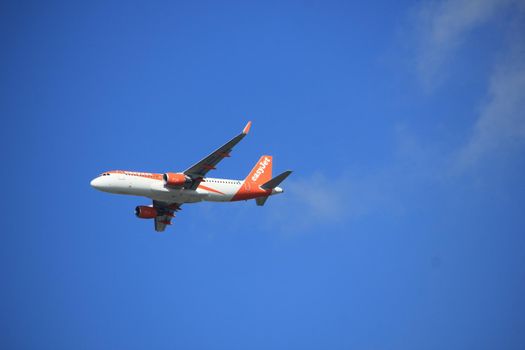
(170, 190)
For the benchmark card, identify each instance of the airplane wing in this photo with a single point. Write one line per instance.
(167, 212)
(199, 170)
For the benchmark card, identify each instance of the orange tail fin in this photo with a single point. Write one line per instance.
(261, 172)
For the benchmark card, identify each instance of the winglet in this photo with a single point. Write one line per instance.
(247, 128)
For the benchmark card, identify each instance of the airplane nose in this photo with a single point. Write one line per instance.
(96, 183)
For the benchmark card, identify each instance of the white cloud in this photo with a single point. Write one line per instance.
(501, 123)
(441, 29)
(310, 201)
(325, 199)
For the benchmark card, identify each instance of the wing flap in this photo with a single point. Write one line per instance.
(166, 211)
(161, 222)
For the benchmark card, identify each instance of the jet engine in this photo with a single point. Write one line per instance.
(176, 179)
(145, 212)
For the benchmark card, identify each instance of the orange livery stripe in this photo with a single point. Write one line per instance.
(209, 189)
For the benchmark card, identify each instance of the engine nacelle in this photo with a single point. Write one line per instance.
(176, 179)
(145, 212)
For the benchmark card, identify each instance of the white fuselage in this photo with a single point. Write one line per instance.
(152, 186)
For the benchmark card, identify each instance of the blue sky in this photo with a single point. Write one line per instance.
(400, 228)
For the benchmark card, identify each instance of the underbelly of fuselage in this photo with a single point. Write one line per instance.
(159, 192)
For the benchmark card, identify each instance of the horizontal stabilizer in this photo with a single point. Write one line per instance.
(273, 183)
(261, 200)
